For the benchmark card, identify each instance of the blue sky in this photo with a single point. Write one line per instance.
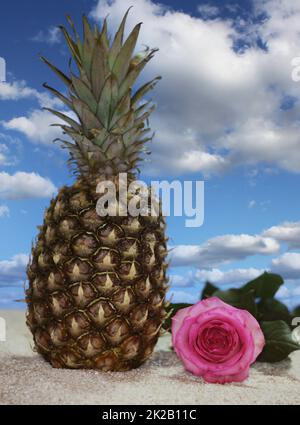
(228, 113)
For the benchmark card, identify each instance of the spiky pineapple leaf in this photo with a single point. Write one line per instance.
(72, 45)
(100, 95)
(99, 68)
(133, 73)
(123, 59)
(87, 118)
(104, 36)
(118, 41)
(114, 149)
(124, 124)
(100, 139)
(141, 109)
(122, 108)
(65, 118)
(129, 136)
(59, 95)
(144, 89)
(67, 145)
(66, 80)
(88, 45)
(87, 146)
(71, 23)
(108, 99)
(139, 121)
(84, 93)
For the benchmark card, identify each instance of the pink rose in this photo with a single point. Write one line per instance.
(217, 341)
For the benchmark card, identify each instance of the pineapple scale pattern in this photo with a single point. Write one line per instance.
(97, 285)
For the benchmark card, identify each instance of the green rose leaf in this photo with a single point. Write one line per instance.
(264, 286)
(296, 312)
(239, 299)
(208, 290)
(279, 342)
(171, 311)
(270, 309)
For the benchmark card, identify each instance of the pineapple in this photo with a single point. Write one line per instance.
(97, 284)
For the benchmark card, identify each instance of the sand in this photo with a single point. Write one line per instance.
(26, 379)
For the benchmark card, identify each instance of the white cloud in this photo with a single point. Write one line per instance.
(23, 185)
(205, 162)
(4, 211)
(288, 232)
(296, 291)
(283, 292)
(217, 276)
(263, 205)
(36, 126)
(51, 36)
(183, 297)
(287, 265)
(260, 139)
(208, 11)
(233, 276)
(187, 288)
(10, 148)
(3, 154)
(288, 292)
(218, 108)
(12, 272)
(223, 249)
(18, 90)
(177, 280)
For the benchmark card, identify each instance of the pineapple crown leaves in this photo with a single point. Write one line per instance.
(109, 133)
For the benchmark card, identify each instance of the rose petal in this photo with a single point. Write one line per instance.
(189, 365)
(181, 342)
(189, 324)
(206, 305)
(257, 334)
(241, 359)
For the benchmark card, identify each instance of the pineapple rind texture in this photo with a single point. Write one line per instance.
(97, 285)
